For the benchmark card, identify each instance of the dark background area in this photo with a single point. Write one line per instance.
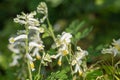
(103, 15)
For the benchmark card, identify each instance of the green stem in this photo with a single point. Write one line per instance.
(113, 66)
(70, 59)
(26, 43)
(39, 70)
(51, 30)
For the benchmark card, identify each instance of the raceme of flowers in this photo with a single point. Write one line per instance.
(31, 33)
(28, 44)
(114, 49)
(78, 60)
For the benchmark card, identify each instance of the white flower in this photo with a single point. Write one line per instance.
(42, 8)
(30, 61)
(27, 19)
(41, 30)
(110, 50)
(13, 49)
(80, 54)
(45, 59)
(15, 60)
(116, 44)
(34, 44)
(13, 39)
(77, 60)
(77, 63)
(62, 43)
(78, 69)
(36, 53)
(60, 61)
(62, 51)
(64, 39)
(43, 19)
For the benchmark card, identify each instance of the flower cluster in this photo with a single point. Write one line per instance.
(29, 40)
(113, 49)
(77, 60)
(62, 44)
(27, 19)
(42, 8)
(28, 45)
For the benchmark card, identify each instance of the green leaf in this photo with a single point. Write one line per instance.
(75, 26)
(86, 32)
(93, 74)
(45, 35)
(59, 75)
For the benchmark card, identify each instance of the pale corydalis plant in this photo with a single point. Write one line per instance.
(62, 43)
(30, 40)
(42, 8)
(29, 47)
(78, 60)
(32, 25)
(114, 49)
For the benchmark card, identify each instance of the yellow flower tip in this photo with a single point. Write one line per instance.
(11, 40)
(38, 57)
(32, 66)
(65, 52)
(80, 73)
(41, 47)
(59, 63)
(41, 30)
(117, 47)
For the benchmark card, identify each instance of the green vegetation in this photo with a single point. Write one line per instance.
(93, 25)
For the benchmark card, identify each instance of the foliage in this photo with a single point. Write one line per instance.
(76, 18)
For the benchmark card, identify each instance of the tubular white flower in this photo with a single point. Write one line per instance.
(116, 44)
(77, 60)
(41, 30)
(63, 50)
(13, 39)
(36, 53)
(43, 19)
(17, 20)
(14, 50)
(80, 54)
(63, 39)
(34, 44)
(15, 60)
(27, 19)
(32, 66)
(55, 56)
(29, 57)
(30, 61)
(62, 43)
(45, 59)
(111, 50)
(60, 61)
(42, 8)
(66, 38)
(78, 69)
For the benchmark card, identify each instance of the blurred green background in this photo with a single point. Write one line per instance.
(103, 15)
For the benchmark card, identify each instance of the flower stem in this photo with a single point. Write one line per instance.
(51, 30)
(26, 48)
(113, 66)
(70, 59)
